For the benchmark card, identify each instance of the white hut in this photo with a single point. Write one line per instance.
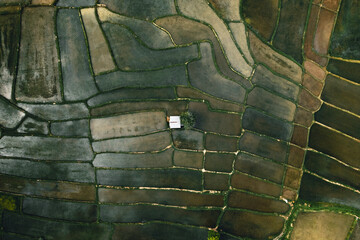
(174, 122)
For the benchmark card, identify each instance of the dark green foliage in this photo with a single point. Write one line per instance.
(187, 120)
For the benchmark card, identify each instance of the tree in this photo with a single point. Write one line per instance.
(187, 120)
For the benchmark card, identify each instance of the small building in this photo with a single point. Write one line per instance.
(174, 122)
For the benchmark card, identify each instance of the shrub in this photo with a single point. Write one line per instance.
(213, 235)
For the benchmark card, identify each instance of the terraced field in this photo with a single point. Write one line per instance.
(86, 151)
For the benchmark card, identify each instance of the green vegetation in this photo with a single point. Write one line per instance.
(7, 202)
(187, 119)
(213, 235)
